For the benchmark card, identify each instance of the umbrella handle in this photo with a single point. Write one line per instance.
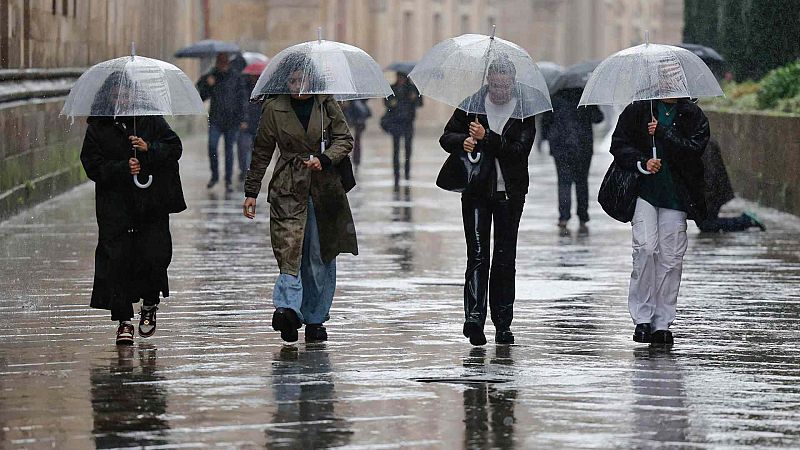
(140, 185)
(473, 161)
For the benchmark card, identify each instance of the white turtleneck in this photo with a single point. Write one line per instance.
(498, 116)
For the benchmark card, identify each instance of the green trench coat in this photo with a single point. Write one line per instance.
(292, 183)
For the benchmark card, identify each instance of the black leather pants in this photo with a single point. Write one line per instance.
(478, 212)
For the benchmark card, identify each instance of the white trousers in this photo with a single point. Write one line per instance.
(659, 243)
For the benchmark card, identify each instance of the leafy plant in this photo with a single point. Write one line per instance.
(779, 84)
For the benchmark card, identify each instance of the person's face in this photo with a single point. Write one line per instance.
(501, 86)
(298, 83)
(222, 61)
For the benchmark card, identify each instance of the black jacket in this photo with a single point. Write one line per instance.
(718, 186)
(228, 95)
(511, 148)
(401, 108)
(569, 128)
(134, 246)
(684, 142)
(251, 110)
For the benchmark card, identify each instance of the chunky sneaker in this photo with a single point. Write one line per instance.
(474, 331)
(662, 338)
(316, 333)
(125, 334)
(583, 229)
(286, 321)
(147, 322)
(504, 337)
(642, 333)
(754, 221)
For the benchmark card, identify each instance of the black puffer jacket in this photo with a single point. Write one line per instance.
(684, 143)
(511, 148)
(228, 95)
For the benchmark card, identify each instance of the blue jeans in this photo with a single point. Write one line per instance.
(310, 293)
(726, 224)
(214, 133)
(245, 151)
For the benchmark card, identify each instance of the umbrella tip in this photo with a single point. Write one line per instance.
(319, 34)
(494, 29)
(646, 37)
(133, 49)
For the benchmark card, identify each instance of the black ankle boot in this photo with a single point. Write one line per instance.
(642, 333)
(316, 333)
(504, 336)
(474, 331)
(286, 321)
(662, 338)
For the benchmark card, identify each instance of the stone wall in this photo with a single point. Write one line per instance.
(762, 155)
(38, 154)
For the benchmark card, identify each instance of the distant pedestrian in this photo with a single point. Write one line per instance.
(718, 192)
(356, 112)
(401, 111)
(135, 246)
(310, 221)
(223, 86)
(247, 130)
(568, 129)
(671, 190)
(498, 197)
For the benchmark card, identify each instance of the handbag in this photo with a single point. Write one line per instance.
(461, 172)
(618, 192)
(344, 168)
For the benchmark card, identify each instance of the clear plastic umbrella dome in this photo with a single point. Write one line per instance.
(323, 67)
(649, 72)
(133, 86)
(454, 70)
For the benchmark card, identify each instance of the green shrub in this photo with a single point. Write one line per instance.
(781, 83)
(789, 105)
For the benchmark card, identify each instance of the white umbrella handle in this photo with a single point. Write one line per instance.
(140, 185)
(473, 161)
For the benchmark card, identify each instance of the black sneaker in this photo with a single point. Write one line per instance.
(662, 338)
(286, 321)
(504, 337)
(147, 322)
(474, 331)
(316, 333)
(754, 221)
(125, 334)
(642, 333)
(211, 183)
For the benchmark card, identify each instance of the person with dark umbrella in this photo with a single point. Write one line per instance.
(401, 111)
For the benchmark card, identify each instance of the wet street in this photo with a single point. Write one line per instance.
(396, 372)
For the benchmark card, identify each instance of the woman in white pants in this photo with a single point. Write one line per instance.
(670, 191)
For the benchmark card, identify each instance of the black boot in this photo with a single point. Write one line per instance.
(662, 338)
(474, 331)
(642, 333)
(316, 333)
(286, 321)
(504, 336)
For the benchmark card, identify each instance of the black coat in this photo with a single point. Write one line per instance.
(569, 128)
(511, 148)
(401, 108)
(228, 95)
(718, 186)
(134, 246)
(251, 110)
(684, 142)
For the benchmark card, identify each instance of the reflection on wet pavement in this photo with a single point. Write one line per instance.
(397, 372)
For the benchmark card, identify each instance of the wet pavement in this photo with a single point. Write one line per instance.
(396, 372)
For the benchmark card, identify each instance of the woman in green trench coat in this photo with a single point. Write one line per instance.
(310, 218)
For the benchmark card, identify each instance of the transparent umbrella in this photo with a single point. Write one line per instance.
(649, 72)
(456, 68)
(552, 74)
(133, 86)
(323, 67)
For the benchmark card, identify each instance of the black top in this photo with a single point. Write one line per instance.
(303, 109)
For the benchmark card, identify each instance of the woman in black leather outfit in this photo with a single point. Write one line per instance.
(499, 197)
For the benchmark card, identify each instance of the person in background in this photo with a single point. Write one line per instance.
(401, 111)
(247, 129)
(356, 112)
(223, 86)
(719, 191)
(569, 131)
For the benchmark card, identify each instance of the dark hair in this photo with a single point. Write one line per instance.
(103, 103)
(502, 65)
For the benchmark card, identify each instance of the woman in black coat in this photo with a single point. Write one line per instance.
(671, 190)
(505, 143)
(134, 247)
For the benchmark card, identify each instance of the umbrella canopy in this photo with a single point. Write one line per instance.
(576, 76)
(402, 66)
(323, 67)
(456, 69)
(206, 48)
(551, 73)
(255, 68)
(707, 54)
(254, 57)
(133, 86)
(648, 72)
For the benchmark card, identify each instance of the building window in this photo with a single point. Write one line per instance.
(437, 28)
(406, 43)
(55, 7)
(489, 22)
(464, 24)
(65, 8)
